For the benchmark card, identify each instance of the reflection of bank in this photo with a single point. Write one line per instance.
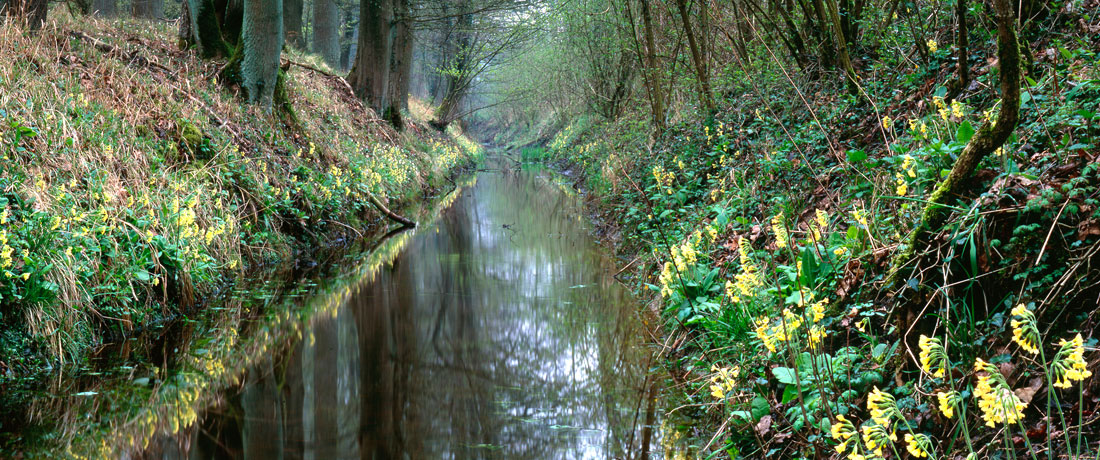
(477, 342)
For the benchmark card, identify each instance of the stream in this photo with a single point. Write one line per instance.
(497, 331)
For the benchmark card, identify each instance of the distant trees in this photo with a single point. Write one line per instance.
(30, 13)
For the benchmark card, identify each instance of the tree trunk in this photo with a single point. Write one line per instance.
(988, 139)
(697, 59)
(205, 29)
(351, 37)
(400, 63)
(369, 75)
(456, 73)
(963, 43)
(147, 9)
(292, 23)
(105, 8)
(30, 13)
(842, 47)
(653, 72)
(261, 44)
(326, 31)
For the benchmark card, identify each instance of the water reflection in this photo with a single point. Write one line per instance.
(498, 333)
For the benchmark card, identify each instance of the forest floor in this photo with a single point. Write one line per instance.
(134, 186)
(765, 235)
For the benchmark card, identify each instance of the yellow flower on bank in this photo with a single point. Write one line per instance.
(883, 407)
(949, 401)
(778, 227)
(1069, 364)
(887, 122)
(933, 46)
(933, 357)
(1024, 330)
(995, 399)
(917, 445)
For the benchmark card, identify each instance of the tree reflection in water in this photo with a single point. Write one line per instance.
(498, 333)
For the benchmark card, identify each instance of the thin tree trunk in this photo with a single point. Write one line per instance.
(326, 31)
(697, 59)
(292, 23)
(653, 80)
(147, 9)
(400, 63)
(963, 43)
(31, 13)
(369, 75)
(262, 44)
(842, 47)
(105, 8)
(988, 139)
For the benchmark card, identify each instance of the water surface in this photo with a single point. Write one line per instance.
(498, 332)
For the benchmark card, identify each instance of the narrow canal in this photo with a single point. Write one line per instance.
(497, 332)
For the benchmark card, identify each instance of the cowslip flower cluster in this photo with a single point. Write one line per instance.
(722, 381)
(843, 431)
(877, 437)
(782, 240)
(948, 401)
(900, 177)
(1024, 330)
(883, 407)
(918, 445)
(933, 357)
(664, 178)
(748, 280)
(1069, 364)
(995, 398)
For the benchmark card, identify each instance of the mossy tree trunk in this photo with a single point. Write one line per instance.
(371, 69)
(261, 47)
(841, 41)
(205, 30)
(988, 139)
(326, 31)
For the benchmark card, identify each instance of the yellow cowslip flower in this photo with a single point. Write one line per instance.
(816, 336)
(876, 437)
(995, 399)
(949, 401)
(1024, 330)
(781, 237)
(957, 109)
(1069, 364)
(25, 275)
(887, 122)
(902, 185)
(932, 46)
(933, 357)
(883, 407)
(4, 216)
(842, 429)
(918, 445)
(722, 381)
(860, 218)
(762, 332)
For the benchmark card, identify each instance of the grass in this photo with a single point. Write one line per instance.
(131, 192)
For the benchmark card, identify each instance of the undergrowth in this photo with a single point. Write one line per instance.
(767, 231)
(129, 194)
